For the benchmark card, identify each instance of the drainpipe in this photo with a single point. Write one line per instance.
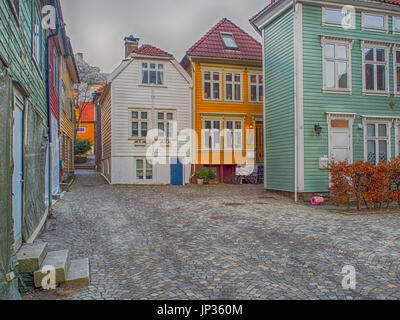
(48, 38)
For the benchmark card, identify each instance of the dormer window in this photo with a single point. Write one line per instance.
(229, 41)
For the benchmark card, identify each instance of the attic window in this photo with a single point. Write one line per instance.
(229, 40)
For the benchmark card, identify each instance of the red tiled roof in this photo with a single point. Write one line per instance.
(211, 44)
(148, 50)
(101, 89)
(272, 3)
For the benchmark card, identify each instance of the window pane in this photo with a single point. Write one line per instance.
(398, 79)
(169, 130)
(397, 24)
(260, 93)
(383, 151)
(207, 75)
(144, 65)
(382, 130)
(342, 74)
(380, 70)
(217, 125)
(152, 65)
(253, 93)
(143, 115)
(334, 16)
(153, 77)
(253, 78)
(161, 129)
(369, 54)
(216, 76)
(229, 41)
(330, 74)
(229, 91)
(369, 77)
(371, 130)
(160, 67)
(160, 115)
(135, 129)
(139, 164)
(229, 77)
(207, 90)
(145, 77)
(238, 125)
(170, 116)
(160, 77)
(374, 21)
(330, 50)
(380, 55)
(238, 78)
(207, 124)
(371, 152)
(229, 125)
(215, 90)
(342, 51)
(398, 56)
(143, 127)
(237, 92)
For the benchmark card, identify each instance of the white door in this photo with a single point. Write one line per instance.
(18, 174)
(340, 144)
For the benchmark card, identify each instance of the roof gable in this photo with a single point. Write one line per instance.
(212, 45)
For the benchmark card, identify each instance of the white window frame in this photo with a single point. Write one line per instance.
(337, 42)
(144, 169)
(369, 28)
(233, 83)
(394, 24)
(166, 122)
(213, 131)
(330, 23)
(212, 82)
(233, 132)
(258, 75)
(376, 122)
(229, 35)
(396, 65)
(157, 70)
(365, 46)
(139, 121)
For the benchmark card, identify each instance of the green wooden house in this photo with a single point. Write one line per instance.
(332, 88)
(23, 132)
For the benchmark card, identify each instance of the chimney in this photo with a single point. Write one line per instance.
(80, 54)
(131, 45)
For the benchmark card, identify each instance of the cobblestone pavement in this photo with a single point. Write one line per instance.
(220, 242)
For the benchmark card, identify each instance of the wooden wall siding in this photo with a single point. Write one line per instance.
(106, 125)
(243, 107)
(279, 86)
(54, 94)
(67, 126)
(16, 49)
(128, 93)
(316, 103)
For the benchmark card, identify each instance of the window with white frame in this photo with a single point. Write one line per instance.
(152, 73)
(211, 135)
(144, 169)
(337, 66)
(256, 88)
(211, 85)
(396, 24)
(332, 16)
(377, 142)
(37, 37)
(139, 123)
(165, 123)
(397, 70)
(233, 135)
(372, 21)
(375, 69)
(233, 86)
(229, 41)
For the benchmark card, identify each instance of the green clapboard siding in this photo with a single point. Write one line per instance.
(317, 103)
(279, 86)
(16, 50)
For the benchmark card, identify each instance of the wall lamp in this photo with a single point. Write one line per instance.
(317, 129)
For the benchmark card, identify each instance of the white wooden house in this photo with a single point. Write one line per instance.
(145, 108)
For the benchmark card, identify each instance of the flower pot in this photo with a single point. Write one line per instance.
(211, 181)
(200, 181)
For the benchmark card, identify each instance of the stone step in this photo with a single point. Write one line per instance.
(30, 257)
(79, 273)
(60, 261)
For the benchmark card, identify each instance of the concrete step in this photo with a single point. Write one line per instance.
(30, 257)
(79, 273)
(60, 261)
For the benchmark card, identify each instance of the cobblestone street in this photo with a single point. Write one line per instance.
(220, 242)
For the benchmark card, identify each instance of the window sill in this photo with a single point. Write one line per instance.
(348, 92)
(376, 93)
(152, 86)
(373, 29)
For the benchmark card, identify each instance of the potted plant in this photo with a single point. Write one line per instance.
(81, 147)
(201, 176)
(211, 176)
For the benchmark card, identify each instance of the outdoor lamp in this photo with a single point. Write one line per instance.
(317, 129)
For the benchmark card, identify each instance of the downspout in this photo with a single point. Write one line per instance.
(295, 107)
(48, 38)
(264, 111)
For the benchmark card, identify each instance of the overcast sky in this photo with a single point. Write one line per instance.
(97, 27)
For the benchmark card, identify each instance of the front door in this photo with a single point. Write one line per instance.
(260, 141)
(176, 173)
(340, 144)
(18, 165)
